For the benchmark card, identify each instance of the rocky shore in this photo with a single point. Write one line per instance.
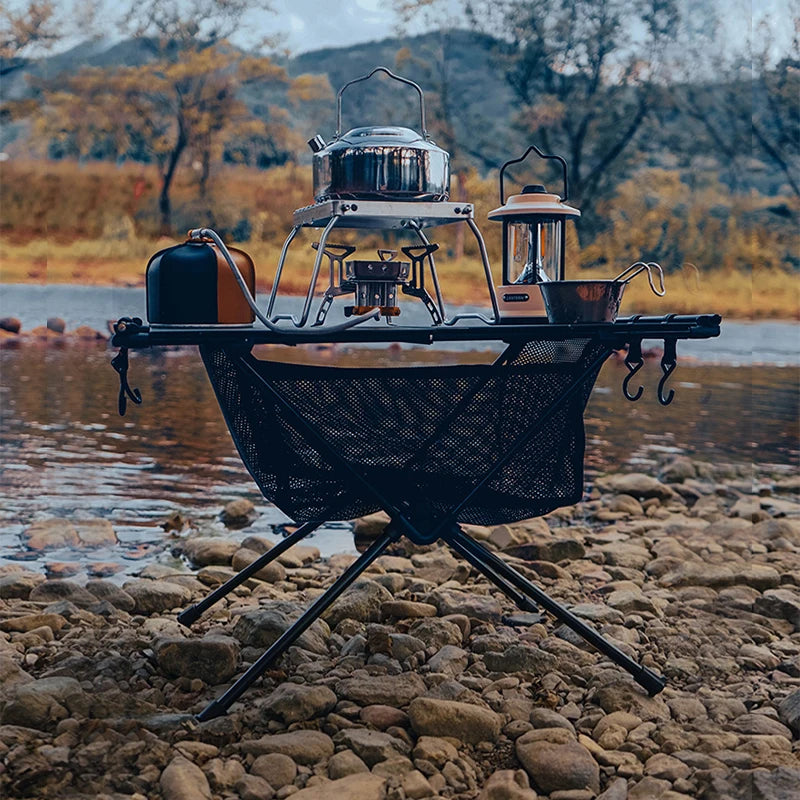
(423, 681)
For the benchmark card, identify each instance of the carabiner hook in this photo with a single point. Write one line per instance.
(669, 361)
(120, 364)
(634, 362)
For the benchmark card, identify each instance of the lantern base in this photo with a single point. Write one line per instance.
(521, 302)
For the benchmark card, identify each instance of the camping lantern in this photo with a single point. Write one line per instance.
(534, 233)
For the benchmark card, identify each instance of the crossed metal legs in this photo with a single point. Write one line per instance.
(526, 595)
(521, 591)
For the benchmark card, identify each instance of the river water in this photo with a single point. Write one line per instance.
(65, 452)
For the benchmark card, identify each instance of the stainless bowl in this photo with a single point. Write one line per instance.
(582, 301)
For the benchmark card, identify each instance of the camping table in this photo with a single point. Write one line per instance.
(434, 447)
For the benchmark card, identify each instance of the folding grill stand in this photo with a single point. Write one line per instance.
(419, 528)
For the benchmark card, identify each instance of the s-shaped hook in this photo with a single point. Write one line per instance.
(669, 361)
(120, 364)
(634, 362)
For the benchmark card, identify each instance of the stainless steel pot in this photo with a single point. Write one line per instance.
(567, 302)
(380, 162)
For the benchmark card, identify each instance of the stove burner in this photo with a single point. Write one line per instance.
(373, 284)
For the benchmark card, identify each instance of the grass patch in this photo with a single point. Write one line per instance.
(759, 294)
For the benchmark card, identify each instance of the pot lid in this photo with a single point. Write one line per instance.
(534, 200)
(381, 136)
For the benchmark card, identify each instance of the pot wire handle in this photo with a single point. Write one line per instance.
(367, 77)
(627, 275)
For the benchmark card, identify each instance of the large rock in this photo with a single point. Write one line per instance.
(437, 632)
(19, 584)
(636, 484)
(111, 593)
(521, 658)
(39, 703)
(624, 696)
(780, 604)
(789, 711)
(353, 787)
(276, 769)
(757, 784)
(30, 622)
(48, 534)
(372, 746)
(469, 723)
(302, 746)
(507, 784)
(11, 675)
(156, 596)
(548, 548)
(362, 602)
(212, 659)
(479, 606)
(558, 766)
(387, 690)
(271, 573)
(53, 591)
(237, 513)
(183, 780)
(204, 551)
(95, 532)
(262, 626)
(295, 702)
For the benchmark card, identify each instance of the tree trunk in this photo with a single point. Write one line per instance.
(164, 203)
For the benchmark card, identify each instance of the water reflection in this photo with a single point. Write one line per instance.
(66, 452)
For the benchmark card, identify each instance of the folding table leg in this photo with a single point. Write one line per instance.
(493, 566)
(219, 707)
(191, 614)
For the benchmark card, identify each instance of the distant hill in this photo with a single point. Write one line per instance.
(477, 94)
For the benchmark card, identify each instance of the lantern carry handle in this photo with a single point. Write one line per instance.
(539, 153)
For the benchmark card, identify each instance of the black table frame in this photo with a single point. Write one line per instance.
(405, 520)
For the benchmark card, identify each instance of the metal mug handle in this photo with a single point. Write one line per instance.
(367, 77)
(627, 275)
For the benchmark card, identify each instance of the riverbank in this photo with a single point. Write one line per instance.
(760, 294)
(424, 681)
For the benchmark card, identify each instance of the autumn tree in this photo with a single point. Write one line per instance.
(185, 103)
(22, 29)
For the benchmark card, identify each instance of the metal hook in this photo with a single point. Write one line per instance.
(669, 361)
(634, 362)
(120, 364)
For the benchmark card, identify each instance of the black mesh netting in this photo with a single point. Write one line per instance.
(422, 434)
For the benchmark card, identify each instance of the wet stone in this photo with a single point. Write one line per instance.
(156, 596)
(52, 591)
